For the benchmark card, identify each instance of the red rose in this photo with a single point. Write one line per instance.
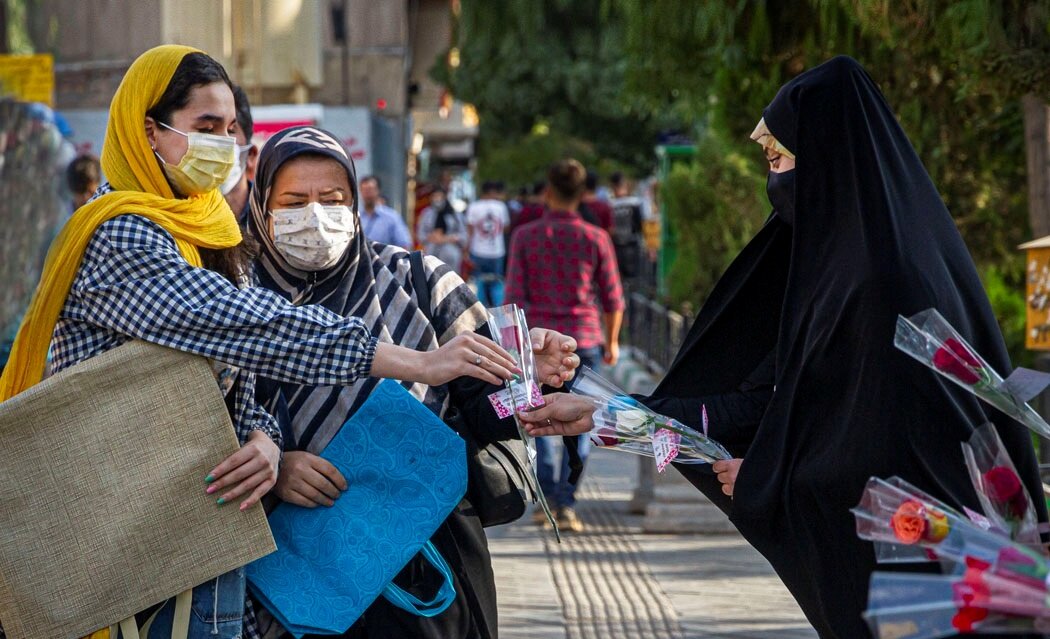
(1004, 487)
(971, 596)
(967, 619)
(956, 360)
(606, 437)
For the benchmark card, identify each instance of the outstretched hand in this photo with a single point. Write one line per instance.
(563, 414)
(556, 358)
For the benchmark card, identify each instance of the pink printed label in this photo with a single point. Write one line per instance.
(665, 447)
(505, 407)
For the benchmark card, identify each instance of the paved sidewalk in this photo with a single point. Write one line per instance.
(613, 581)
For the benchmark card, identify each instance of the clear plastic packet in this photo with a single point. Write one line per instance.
(623, 423)
(930, 339)
(510, 330)
(1004, 499)
(924, 606)
(895, 512)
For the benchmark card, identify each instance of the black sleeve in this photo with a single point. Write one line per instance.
(470, 397)
(733, 418)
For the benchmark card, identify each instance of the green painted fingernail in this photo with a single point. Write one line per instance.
(209, 479)
(220, 501)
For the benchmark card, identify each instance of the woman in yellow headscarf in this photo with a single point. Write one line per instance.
(158, 256)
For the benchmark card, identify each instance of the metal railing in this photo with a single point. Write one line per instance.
(654, 331)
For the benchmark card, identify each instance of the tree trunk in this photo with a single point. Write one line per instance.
(4, 48)
(1037, 148)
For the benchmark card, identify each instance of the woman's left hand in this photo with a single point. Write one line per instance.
(556, 358)
(251, 471)
(727, 471)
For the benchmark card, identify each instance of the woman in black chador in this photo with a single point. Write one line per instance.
(793, 351)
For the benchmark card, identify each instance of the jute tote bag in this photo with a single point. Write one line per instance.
(102, 505)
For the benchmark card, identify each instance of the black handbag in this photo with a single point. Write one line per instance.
(498, 479)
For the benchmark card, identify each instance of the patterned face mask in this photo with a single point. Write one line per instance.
(313, 237)
(205, 165)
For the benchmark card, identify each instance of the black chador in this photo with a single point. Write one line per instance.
(794, 348)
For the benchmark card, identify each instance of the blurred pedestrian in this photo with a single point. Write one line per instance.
(532, 210)
(593, 209)
(237, 187)
(558, 266)
(379, 222)
(83, 176)
(487, 219)
(443, 230)
(627, 226)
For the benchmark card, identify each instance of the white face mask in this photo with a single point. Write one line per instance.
(205, 165)
(239, 166)
(314, 237)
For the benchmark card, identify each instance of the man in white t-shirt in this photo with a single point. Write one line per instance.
(487, 219)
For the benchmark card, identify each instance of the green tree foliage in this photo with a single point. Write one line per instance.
(716, 204)
(718, 63)
(613, 72)
(553, 65)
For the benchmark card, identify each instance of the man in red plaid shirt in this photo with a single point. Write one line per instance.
(563, 272)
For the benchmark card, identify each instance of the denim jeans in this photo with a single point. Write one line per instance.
(217, 611)
(488, 272)
(557, 489)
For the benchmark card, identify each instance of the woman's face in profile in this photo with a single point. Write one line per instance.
(778, 162)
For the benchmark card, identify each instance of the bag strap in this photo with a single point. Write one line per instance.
(420, 285)
(180, 625)
(441, 601)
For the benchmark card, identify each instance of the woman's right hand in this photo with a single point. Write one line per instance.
(465, 355)
(561, 414)
(308, 480)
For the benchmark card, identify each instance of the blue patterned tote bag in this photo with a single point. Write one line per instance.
(406, 472)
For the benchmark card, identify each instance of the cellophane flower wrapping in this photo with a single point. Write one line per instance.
(623, 423)
(893, 511)
(925, 606)
(991, 584)
(510, 330)
(931, 340)
(1006, 503)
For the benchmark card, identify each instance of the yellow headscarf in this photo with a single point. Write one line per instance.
(141, 188)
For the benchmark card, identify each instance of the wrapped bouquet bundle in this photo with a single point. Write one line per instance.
(623, 423)
(995, 568)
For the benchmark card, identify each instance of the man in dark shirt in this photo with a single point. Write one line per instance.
(594, 209)
(627, 227)
(558, 266)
